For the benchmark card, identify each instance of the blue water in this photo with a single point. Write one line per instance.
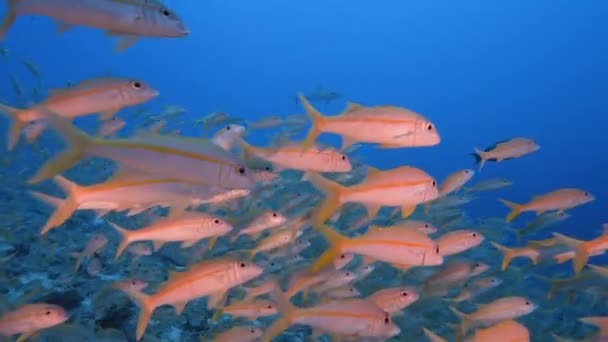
(482, 71)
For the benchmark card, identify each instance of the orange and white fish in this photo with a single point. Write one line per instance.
(389, 126)
(102, 95)
(208, 278)
(291, 156)
(584, 249)
(267, 220)
(489, 184)
(496, 311)
(184, 159)
(453, 274)
(458, 241)
(392, 245)
(275, 240)
(129, 286)
(455, 181)
(96, 244)
(393, 300)
(403, 187)
(343, 293)
(560, 200)
(251, 310)
(128, 20)
(31, 318)
(189, 229)
(477, 287)
(505, 150)
(355, 318)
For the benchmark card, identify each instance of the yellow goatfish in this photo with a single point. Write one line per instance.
(505, 150)
(185, 159)
(355, 318)
(127, 19)
(208, 278)
(391, 245)
(403, 187)
(560, 200)
(389, 126)
(496, 311)
(101, 95)
(28, 319)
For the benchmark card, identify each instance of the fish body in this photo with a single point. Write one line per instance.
(505, 150)
(31, 318)
(559, 200)
(101, 95)
(389, 126)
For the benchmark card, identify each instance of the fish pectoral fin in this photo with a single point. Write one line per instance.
(63, 27)
(407, 210)
(211, 242)
(216, 299)
(25, 336)
(346, 143)
(179, 307)
(188, 244)
(125, 41)
(158, 245)
(107, 115)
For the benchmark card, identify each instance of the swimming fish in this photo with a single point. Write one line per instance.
(559, 200)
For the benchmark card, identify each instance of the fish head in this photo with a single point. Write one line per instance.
(478, 268)
(254, 333)
(524, 306)
(247, 271)
(274, 218)
(238, 177)
(426, 134)
(167, 24)
(430, 190)
(489, 282)
(134, 92)
(218, 224)
(342, 260)
(407, 296)
(50, 315)
(585, 197)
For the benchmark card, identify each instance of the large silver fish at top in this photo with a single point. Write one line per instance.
(127, 19)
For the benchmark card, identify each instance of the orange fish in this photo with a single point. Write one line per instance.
(97, 243)
(28, 319)
(584, 249)
(496, 311)
(210, 277)
(389, 126)
(505, 150)
(505, 331)
(559, 200)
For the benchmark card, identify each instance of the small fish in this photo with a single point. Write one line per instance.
(129, 20)
(542, 221)
(29, 319)
(265, 221)
(352, 317)
(96, 244)
(458, 241)
(496, 311)
(33, 69)
(489, 184)
(393, 300)
(505, 150)
(559, 200)
(102, 95)
(389, 126)
(207, 278)
(476, 287)
(250, 310)
(110, 127)
(455, 181)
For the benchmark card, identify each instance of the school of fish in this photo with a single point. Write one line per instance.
(292, 241)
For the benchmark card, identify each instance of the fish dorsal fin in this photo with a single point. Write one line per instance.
(352, 107)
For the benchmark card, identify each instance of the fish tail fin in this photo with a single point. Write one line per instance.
(432, 336)
(147, 307)
(316, 120)
(9, 19)
(515, 209)
(124, 239)
(464, 325)
(336, 241)
(480, 157)
(508, 255)
(332, 191)
(64, 208)
(17, 123)
(77, 143)
(285, 319)
(78, 257)
(581, 255)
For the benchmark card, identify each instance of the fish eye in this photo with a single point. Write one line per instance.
(227, 128)
(269, 306)
(48, 313)
(136, 85)
(267, 168)
(429, 127)
(426, 225)
(477, 264)
(133, 282)
(348, 274)
(242, 265)
(343, 157)
(466, 172)
(274, 214)
(527, 303)
(404, 294)
(342, 256)
(437, 250)
(586, 194)
(492, 280)
(165, 12)
(252, 331)
(242, 170)
(434, 183)
(351, 290)
(216, 221)
(474, 234)
(387, 320)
